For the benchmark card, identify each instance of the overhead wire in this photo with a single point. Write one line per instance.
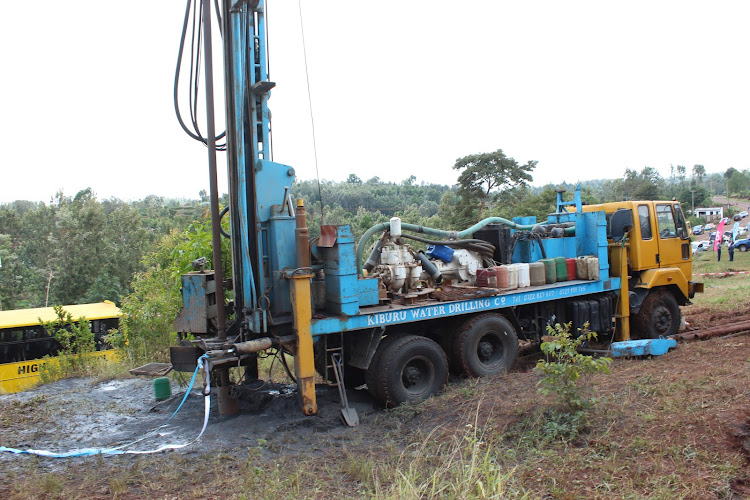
(312, 119)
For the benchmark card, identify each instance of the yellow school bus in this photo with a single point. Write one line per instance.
(24, 342)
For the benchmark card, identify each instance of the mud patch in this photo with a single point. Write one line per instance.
(82, 413)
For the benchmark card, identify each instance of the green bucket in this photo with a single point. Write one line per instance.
(162, 388)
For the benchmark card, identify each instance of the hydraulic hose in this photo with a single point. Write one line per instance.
(453, 235)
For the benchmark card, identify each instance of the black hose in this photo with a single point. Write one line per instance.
(482, 247)
(221, 216)
(280, 353)
(193, 135)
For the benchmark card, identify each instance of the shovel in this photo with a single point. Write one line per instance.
(348, 414)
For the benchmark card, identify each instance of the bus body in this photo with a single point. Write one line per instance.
(24, 342)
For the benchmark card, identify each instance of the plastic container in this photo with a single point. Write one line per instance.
(441, 252)
(550, 271)
(482, 277)
(537, 274)
(571, 265)
(524, 280)
(593, 267)
(395, 227)
(162, 388)
(582, 269)
(561, 269)
(491, 277)
(501, 273)
(512, 276)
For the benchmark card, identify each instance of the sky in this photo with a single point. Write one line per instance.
(586, 88)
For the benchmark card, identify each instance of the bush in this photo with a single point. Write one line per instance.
(76, 346)
(565, 369)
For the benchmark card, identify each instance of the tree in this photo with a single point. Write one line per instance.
(681, 172)
(699, 172)
(738, 182)
(353, 179)
(482, 173)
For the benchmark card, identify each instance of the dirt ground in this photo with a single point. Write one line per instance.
(697, 393)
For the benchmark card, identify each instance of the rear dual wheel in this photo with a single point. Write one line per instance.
(485, 345)
(406, 368)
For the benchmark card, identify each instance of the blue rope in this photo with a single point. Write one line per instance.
(84, 452)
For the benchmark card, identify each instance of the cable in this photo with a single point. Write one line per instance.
(194, 66)
(312, 120)
(286, 366)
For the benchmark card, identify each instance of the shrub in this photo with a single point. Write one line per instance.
(565, 369)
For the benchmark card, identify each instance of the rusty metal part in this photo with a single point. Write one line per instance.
(302, 236)
(227, 404)
(252, 346)
(463, 293)
(221, 326)
(409, 299)
(152, 369)
(184, 358)
(717, 331)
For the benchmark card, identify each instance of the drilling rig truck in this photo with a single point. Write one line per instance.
(383, 311)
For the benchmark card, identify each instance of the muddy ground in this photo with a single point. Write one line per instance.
(84, 413)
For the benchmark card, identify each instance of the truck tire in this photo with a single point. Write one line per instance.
(486, 345)
(742, 248)
(406, 368)
(659, 316)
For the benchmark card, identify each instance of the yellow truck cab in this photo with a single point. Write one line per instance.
(659, 262)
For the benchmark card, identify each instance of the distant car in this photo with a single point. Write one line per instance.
(743, 214)
(742, 245)
(699, 246)
(742, 230)
(709, 227)
(698, 229)
(737, 217)
(725, 220)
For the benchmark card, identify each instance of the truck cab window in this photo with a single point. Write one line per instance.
(645, 222)
(665, 218)
(681, 225)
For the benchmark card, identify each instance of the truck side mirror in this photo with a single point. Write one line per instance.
(620, 223)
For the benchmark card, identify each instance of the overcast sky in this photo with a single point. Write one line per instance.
(586, 88)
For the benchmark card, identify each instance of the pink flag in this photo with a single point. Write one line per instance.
(719, 235)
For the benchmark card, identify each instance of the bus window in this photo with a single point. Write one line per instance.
(665, 218)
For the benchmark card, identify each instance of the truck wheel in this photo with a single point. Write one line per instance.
(486, 345)
(742, 248)
(406, 368)
(659, 316)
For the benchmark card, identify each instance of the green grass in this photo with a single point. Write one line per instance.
(722, 293)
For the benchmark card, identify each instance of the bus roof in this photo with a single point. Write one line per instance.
(30, 317)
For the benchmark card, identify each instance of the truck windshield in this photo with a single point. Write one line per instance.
(665, 219)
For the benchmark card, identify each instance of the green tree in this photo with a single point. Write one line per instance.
(699, 173)
(483, 173)
(78, 253)
(738, 182)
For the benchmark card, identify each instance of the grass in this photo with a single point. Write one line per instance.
(722, 293)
